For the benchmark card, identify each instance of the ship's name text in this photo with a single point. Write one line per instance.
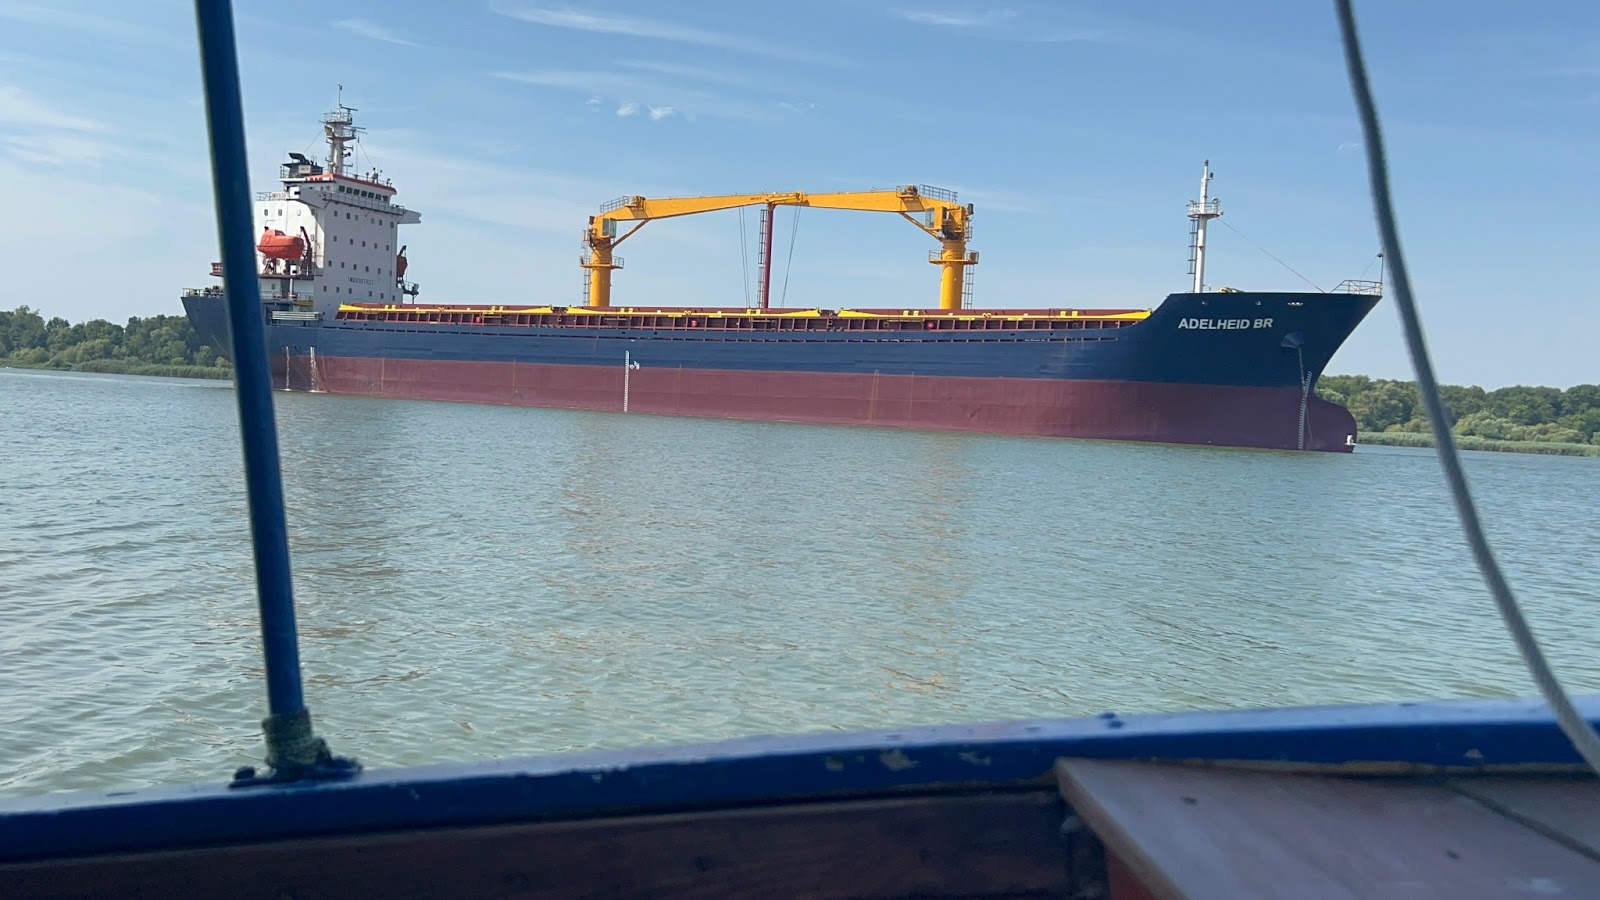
(1224, 324)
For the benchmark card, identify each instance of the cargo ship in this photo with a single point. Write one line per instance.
(1215, 367)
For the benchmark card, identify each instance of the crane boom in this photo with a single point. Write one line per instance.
(941, 217)
(625, 209)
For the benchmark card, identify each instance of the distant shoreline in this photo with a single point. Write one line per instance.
(1472, 442)
(125, 367)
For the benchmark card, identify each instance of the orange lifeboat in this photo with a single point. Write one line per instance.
(400, 264)
(274, 244)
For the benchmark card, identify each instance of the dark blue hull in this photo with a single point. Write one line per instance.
(1225, 368)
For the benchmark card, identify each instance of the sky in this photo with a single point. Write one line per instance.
(1076, 129)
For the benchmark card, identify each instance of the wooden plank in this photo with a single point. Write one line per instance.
(1567, 808)
(995, 844)
(1121, 883)
(1193, 831)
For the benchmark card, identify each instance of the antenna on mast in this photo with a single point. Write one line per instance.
(1201, 212)
(340, 128)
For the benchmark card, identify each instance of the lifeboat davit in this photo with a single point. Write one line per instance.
(274, 244)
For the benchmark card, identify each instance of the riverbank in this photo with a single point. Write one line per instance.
(127, 367)
(1471, 442)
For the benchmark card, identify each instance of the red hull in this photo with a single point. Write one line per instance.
(1108, 410)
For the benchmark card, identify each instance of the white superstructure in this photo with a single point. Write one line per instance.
(332, 236)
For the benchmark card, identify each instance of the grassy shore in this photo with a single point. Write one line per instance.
(1470, 442)
(126, 367)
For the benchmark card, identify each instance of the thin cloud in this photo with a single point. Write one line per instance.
(655, 29)
(691, 73)
(18, 108)
(1002, 24)
(1000, 201)
(1058, 37)
(953, 19)
(657, 113)
(36, 133)
(55, 149)
(628, 109)
(447, 186)
(82, 22)
(369, 29)
(620, 86)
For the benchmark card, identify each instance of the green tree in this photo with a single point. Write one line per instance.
(23, 328)
(1519, 413)
(1461, 401)
(1384, 403)
(1585, 422)
(1525, 405)
(26, 338)
(1486, 425)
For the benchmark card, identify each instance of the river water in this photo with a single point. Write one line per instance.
(477, 582)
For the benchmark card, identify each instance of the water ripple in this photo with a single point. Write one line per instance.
(479, 582)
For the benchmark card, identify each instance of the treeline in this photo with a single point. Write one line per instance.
(1531, 414)
(154, 345)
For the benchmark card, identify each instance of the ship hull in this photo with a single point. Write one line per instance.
(1156, 381)
(1108, 410)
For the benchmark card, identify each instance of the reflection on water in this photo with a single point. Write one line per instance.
(479, 581)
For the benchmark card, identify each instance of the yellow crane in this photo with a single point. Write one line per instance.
(933, 210)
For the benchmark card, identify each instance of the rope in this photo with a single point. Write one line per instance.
(788, 266)
(1274, 258)
(1579, 731)
(1370, 263)
(291, 744)
(744, 259)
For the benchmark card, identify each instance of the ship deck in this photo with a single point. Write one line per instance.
(741, 319)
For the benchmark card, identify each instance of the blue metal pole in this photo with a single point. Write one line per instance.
(219, 65)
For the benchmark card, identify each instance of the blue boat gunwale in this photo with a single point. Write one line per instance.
(1410, 738)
